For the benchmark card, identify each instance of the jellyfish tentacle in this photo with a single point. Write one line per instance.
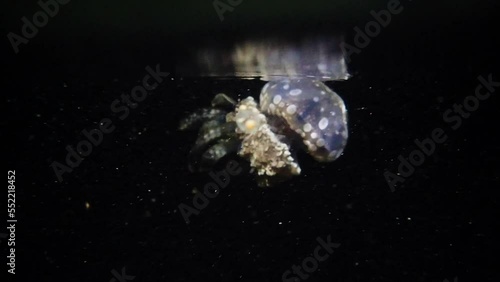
(267, 154)
(223, 101)
(211, 134)
(214, 153)
(197, 118)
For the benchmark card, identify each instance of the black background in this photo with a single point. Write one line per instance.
(439, 224)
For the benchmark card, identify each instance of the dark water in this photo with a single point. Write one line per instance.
(120, 207)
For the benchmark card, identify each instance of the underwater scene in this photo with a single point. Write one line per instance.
(231, 140)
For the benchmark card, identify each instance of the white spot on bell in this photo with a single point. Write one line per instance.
(315, 99)
(277, 99)
(323, 123)
(307, 127)
(320, 143)
(322, 67)
(286, 86)
(291, 109)
(295, 92)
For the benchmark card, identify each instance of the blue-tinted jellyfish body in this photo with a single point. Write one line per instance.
(312, 110)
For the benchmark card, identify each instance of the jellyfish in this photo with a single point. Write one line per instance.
(295, 110)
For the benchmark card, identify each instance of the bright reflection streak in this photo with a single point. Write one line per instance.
(270, 58)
